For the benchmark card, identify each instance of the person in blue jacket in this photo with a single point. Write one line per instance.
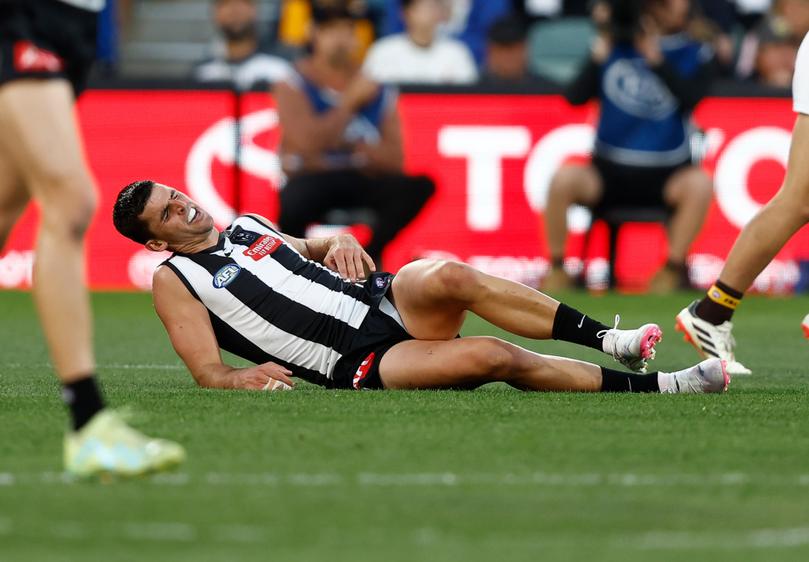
(648, 76)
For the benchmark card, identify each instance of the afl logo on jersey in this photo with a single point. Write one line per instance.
(226, 275)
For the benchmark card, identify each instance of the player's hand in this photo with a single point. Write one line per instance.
(346, 257)
(264, 377)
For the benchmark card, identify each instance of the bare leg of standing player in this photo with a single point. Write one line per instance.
(41, 155)
(706, 323)
(41, 158)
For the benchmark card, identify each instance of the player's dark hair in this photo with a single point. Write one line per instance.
(128, 208)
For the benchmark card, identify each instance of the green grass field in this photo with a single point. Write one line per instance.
(493, 474)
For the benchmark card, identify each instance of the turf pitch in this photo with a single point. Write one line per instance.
(485, 475)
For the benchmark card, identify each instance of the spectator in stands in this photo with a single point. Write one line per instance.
(796, 16)
(507, 51)
(295, 21)
(719, 24)
(240, 58)
(548, 9)
(420, 55)
(649, 76)
(768, 51)
(776, 53)
(750, 12)
(465, 20)
(341, 144)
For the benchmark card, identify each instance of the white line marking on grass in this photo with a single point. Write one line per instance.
(70, 530)
(754, 538)
(307, 480)
(235, 479)
(171, 479)
(242, 533)
(427, 479)
(119, 366)
(173, 532)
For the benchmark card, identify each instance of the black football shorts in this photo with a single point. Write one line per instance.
(46, 39)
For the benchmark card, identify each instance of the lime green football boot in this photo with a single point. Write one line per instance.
(107, 446)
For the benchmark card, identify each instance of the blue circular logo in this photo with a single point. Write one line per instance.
(226, 275)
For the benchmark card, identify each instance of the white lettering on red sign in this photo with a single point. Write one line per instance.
(484, 149)
(262, 247)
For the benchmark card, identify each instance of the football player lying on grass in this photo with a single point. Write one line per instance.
(305, 308)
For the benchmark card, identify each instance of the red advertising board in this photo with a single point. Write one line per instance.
(492, 157)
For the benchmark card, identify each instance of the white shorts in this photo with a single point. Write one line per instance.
(800, 82)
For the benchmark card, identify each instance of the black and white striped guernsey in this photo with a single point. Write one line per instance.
(267, 302)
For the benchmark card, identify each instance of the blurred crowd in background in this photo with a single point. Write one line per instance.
(428, 41)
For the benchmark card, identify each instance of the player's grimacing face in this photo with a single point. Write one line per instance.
(174, 217)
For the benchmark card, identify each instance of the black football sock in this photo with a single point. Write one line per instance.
(83, 397)
(719, 303)
(617, 381)
(575, 327)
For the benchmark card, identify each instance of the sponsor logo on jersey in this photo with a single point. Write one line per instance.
(30, 58)
(226, 275)
(263, 247)
(362, 371)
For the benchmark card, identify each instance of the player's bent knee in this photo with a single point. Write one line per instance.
(455, 280)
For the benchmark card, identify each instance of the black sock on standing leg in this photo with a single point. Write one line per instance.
(618, 381)
(83, 398)
(575, 327)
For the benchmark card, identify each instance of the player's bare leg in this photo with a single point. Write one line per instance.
(40, 136)
(13, 196)
(571, 185)
(764, 236)
(471, 362)
(706, 323)
(688, 192)
(434, 296)
(43, 139)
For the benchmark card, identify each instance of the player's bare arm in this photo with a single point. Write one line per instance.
(192, 336)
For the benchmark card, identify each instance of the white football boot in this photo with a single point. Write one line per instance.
(708, 376)
(631, 348)
(708, 339)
